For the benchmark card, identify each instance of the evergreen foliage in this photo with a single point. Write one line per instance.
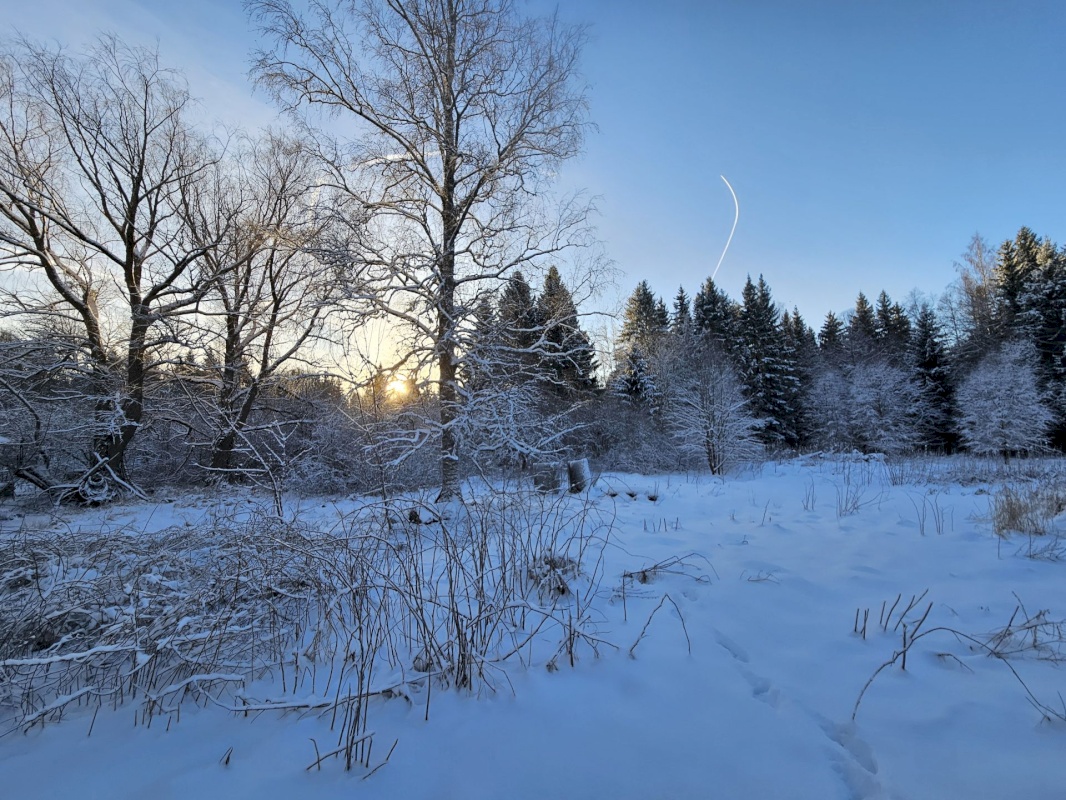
(568, 357)
(801, 341)
(831, 337)
(715, 316)
(767, 366)
(861, 335)
(681, 323)
(644, 318)
(518, 317)
(633, 379)
(892, 328)
(932, 376)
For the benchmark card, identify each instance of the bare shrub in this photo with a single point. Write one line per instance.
(394, 599)
(1036, 636)
(101, 618)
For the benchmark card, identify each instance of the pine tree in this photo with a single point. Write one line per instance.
(714, 316)
(932, 376)
(861, 336)
(766, 365)
(643, 318)
(681, 324)
(568, 358)
(831, 338)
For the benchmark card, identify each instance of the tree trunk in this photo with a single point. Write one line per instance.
(231, 424)
(449, 395)
(110, 444)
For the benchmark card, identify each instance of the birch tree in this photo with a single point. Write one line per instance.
(462, 112)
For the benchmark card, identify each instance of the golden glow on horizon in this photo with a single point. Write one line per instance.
(398, 387)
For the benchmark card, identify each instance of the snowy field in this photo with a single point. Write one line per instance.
(666, 637)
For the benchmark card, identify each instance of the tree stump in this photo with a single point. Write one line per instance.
(580, 475)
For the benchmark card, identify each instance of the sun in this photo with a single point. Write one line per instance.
(398, 387)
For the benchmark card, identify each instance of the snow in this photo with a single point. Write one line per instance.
(749, 692)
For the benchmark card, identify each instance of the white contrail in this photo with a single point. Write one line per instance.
(736, 219)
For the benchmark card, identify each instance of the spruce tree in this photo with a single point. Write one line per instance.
(932, 375)
(681, 324)
(482, 363)
(517, 313)
(633, 379)
(568, 356)
(643, 318)
(892, 328)
(863, 321)
(802, 346)
(830, 338)
(861, 337)
(766, 366)
(662, 316)
(1015, 262)
(1042, 322)
(714, 316)
(799, 334)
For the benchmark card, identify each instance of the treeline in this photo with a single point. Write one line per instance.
(290, 310)
(984, 368)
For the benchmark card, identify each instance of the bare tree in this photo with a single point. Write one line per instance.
(970, 308)
(96, 157)
(268, 289)
(464, 109)
(705, 407)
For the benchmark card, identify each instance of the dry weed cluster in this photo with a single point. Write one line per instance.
(394, 599)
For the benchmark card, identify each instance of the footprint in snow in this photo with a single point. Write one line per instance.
(853, 759)
(730, 646)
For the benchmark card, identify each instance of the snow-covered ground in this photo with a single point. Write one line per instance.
(743, 684)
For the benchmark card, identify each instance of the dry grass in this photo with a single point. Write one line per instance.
(1030, 510)
(388, 603)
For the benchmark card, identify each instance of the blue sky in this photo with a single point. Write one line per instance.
(867, 140)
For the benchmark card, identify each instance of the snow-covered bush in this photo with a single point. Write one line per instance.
(1001, 407)
(873, 407)
(885, 407)
(708, 413)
